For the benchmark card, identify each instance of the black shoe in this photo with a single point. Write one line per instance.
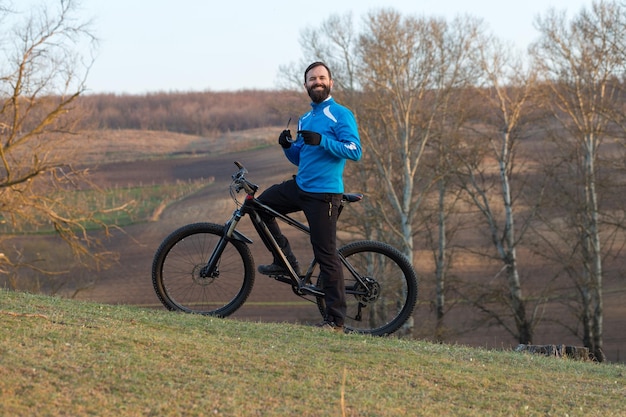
(275, 269)
(330, 325)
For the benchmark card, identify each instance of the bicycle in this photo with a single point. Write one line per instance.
(208, 268)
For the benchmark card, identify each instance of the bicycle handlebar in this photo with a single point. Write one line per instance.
(240, 181)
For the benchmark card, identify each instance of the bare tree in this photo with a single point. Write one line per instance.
(494, 180)
(397, 75)
(457, 49)
(41, 75)
(404, 77)
(581, 65)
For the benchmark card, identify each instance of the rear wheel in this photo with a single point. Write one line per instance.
(182, 285)
(381, 288)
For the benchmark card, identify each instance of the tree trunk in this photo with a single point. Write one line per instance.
(440, 262)
(594, 247)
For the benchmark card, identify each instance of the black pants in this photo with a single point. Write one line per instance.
(321, 211)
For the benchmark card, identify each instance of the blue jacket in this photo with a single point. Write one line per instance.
(320, 168)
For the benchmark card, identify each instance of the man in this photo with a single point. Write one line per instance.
(327, 136)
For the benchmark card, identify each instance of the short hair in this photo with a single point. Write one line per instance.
(317, 64)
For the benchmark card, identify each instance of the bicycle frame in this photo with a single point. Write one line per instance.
(254, 208)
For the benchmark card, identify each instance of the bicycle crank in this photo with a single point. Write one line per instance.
(308, 290)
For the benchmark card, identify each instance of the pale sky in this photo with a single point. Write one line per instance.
(228, 45)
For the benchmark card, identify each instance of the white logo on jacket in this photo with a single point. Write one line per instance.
(328, 114)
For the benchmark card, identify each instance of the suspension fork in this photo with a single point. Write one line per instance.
(210, 270)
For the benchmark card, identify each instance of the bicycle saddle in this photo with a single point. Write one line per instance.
(353, 197)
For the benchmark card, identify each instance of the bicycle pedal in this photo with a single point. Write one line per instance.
(311, 290)
(282, 278)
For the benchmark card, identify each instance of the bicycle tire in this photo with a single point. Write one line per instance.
(176, 266)
(392, 275)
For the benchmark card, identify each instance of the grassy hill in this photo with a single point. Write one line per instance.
(68, 358)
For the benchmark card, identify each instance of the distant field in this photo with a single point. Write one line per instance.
(128, 145)
(140, 158)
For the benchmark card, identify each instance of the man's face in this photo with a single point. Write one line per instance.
(318, 84)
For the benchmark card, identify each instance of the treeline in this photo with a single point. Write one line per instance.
(465, 136)
(197, 113)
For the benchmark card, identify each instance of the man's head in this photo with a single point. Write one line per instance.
(318, 81)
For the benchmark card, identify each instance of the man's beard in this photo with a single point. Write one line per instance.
(319, 95)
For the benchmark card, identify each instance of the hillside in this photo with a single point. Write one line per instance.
(61, 357)
(120, 158)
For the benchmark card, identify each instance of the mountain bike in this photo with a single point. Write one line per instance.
(208, 268)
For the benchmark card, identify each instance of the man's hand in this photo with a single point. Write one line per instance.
(285, 139)
(310, 137)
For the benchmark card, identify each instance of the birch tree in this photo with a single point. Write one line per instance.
(457, 55)
(396, 74)
(492, 178)
(405, 78)
(581, 66)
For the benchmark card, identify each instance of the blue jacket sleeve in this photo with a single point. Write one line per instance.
(293, 152)
(348, 143)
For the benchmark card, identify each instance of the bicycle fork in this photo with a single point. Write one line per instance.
(211, 269)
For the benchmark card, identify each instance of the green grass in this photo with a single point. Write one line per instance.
(61, 357)
(140, 203)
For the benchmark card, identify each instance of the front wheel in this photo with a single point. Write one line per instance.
(381, 288)
(181, 283)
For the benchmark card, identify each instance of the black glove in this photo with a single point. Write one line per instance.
(285, 139)
(310, 137)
